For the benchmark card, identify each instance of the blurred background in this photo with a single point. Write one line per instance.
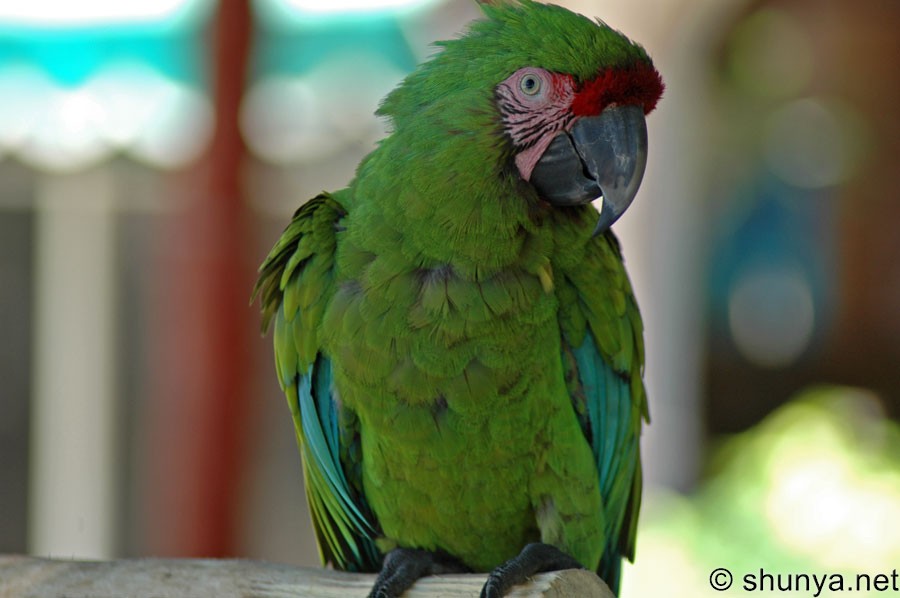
(152, 151)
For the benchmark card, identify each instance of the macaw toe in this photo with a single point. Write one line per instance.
(404, 566)
(534, 558)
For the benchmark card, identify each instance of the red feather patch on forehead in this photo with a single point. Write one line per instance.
(638, 84)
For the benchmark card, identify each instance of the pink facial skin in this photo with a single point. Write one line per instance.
(535, 105)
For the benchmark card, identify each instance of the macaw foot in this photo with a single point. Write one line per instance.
(404, 566)
(534, 558)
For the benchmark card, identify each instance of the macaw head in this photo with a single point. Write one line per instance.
(567, 95)
(580, 139)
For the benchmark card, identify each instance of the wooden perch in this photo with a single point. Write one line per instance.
(27, 577)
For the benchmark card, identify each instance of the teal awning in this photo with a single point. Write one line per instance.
(79, 83)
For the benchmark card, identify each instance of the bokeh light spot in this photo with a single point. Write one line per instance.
(814, 143)
(771, 315)
(771, 55)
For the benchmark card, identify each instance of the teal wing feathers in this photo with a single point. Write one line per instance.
(295, 283)
(604, 355)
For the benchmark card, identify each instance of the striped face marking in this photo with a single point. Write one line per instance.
(534, 103)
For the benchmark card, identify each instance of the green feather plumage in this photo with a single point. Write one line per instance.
(483, 351)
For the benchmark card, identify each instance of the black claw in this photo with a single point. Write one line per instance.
(534, 558)
(404, 566)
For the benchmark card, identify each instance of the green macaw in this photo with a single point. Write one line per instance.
(455, 333)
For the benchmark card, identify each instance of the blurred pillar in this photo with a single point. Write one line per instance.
(193, 442)
(72, 506)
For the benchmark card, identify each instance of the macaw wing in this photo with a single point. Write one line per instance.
(295, 283)
(603, 355)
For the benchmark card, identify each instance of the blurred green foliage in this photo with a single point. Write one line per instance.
(812, 489)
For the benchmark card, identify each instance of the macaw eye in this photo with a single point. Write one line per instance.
(530, 84)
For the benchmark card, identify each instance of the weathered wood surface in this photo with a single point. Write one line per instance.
(27, 577)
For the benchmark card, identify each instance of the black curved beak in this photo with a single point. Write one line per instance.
(602, 155)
